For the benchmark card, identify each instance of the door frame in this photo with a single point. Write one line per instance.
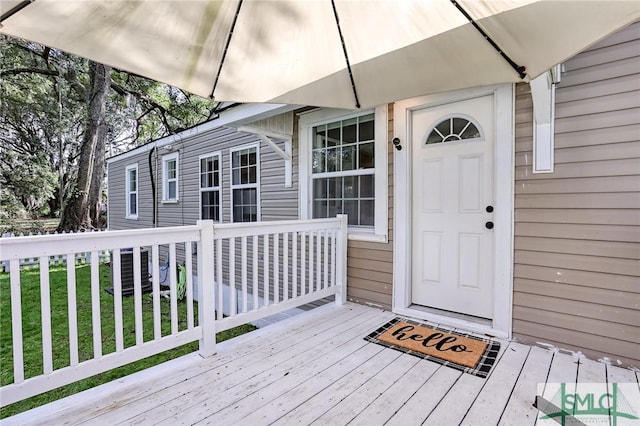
(504, 137)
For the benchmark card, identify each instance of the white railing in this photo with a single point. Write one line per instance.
(55, 260)
(269, 267)
(244, 271)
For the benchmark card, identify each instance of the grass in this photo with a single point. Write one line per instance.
(32, 335)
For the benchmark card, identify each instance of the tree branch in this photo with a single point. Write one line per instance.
(29, 70)
(123, 91)
(70, 77)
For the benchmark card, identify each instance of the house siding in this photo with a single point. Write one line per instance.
(277, 202)
(577, 233)
(369, 264)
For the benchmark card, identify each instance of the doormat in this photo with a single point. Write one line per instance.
(464, 352)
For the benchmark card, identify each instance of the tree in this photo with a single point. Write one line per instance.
(60, 113)
(80, 210)
(37, 130)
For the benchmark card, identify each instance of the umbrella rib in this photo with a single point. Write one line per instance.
(518, 68)
(346, 55)
(17, 8)
(226, 48)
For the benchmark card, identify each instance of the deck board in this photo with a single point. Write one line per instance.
(496, 390)
(350, 406)
(426, 399)
(520, 409)
(457, 401)
(387, 404)
(317, 368)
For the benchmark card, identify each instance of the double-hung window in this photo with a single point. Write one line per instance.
(210, 185)
(343, 162)
(245, 184)
(170, 177)
(131, 182)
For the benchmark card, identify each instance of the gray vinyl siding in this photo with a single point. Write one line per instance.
(116, 194)
(277, 202)
(370, 264)
(577, 230)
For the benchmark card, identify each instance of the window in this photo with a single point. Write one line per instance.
(131, 182)
(245, 177)
(343, 162)
(210, 184)
(453, 129)
(170, 177)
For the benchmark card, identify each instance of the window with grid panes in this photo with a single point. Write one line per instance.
(244, 184)
(210, 186)
(170, 177)
(343, 170)
(132, 191)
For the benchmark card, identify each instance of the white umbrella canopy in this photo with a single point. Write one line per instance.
(338, 53)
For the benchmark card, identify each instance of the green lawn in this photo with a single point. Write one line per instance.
(32, 336)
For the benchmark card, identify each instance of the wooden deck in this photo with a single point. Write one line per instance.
(317, 368)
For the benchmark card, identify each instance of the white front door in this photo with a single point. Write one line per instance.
(453, 206)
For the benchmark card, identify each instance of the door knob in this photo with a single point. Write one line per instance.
(489, 209)
(489, 225)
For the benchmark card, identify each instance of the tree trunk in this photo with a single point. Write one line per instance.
(76, 214)
(95, 193)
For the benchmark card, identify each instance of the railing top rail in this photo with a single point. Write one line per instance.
(54, 244)
(228, 230)
(32, 246)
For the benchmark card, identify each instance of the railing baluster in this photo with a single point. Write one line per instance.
(254, 272)
(95, 306)
(333, 258)
(220, 313)
(233, 298)
(173, 288)
(155, 291)
(294, 261)
(188, 263)
(303, 264)
(311, 261)
(45, 309)
(16, 321)
(285, 265)
(116, 279)
(137, 296)
(243, 256)
(325, 237)
(72, 309)
(319, 260)
(265, 268)
(276, 268)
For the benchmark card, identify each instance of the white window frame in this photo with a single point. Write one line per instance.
(165, 179)
(256, 185)
(212, 188)
(128, 192)
(379, 232)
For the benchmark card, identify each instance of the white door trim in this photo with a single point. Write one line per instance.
(503, 214)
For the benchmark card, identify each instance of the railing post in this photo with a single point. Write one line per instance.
(206, 289)
(341, 260)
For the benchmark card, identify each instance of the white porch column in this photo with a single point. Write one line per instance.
(206, 296)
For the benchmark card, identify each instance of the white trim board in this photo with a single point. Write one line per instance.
(503, 215)
(380, 231)
(239, 115)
